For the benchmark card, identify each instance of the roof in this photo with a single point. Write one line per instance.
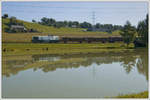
(17, 26)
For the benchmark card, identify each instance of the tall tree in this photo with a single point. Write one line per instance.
(128, 33)
(142, 30)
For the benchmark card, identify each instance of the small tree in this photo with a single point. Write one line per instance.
(33, 21)
(13, 21)
(128, 33)
(5, 16)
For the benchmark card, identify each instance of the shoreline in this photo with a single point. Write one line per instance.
(62, 49)
(134, 95)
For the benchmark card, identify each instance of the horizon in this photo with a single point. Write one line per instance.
(115, 13)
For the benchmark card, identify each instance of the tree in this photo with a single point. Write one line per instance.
(142, 30)
(13, 21)
(97, 25)
(66, 23)
(51, 22)
(33, 21)
(128, 33)
(85, 25)
(59, 24)
(44, 21)
(70, 23)
(5, 16)
(76, 23)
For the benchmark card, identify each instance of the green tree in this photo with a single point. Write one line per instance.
(66, 23)
(97, 25)
(142, 30)
(85, 25)
(128, 33)
(44, 21)
(13, 21)
(70, 23)
(51, 22)
(5, 16)
(33, 21)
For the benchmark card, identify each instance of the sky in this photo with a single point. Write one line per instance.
(116, 13)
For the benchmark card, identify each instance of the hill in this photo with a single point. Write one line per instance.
(47, 30)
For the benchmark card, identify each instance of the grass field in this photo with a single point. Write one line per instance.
(37, 48)
(136, 95)
(47, 30)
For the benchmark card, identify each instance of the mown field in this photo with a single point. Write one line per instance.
(47, 30)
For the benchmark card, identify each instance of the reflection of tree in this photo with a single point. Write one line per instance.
(137, 59)
(14, 66)
(128, 61)
(142, 64)
(52, 62)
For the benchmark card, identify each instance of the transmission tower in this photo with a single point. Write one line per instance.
(93, 18)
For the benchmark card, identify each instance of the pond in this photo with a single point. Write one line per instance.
(105, 74)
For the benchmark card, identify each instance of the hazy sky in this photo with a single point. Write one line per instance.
(105, 12)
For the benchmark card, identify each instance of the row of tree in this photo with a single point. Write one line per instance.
(76, 24)
(137, 35)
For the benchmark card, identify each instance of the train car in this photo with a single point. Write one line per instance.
(45, 39)
(92, 39)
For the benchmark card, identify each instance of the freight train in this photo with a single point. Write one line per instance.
(56, 39)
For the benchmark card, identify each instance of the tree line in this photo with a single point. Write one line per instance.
(75, 24)
(138, 35)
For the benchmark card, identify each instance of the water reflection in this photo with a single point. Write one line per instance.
(12, 65)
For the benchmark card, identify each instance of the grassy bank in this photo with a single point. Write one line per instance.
(136, 95)
(37, 48)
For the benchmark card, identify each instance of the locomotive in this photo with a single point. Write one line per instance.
(45, 39)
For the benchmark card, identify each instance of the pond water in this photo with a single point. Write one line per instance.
(105, 74)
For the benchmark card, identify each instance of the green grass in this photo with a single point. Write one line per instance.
(37, 48)
(135, 95)
(47, 30)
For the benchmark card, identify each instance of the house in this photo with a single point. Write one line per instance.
(18, 28)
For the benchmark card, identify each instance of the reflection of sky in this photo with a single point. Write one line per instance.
(109, 80)
(105, 12)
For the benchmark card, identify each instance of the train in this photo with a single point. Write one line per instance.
(57, 39)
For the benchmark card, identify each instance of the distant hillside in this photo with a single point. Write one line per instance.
(46, 30)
